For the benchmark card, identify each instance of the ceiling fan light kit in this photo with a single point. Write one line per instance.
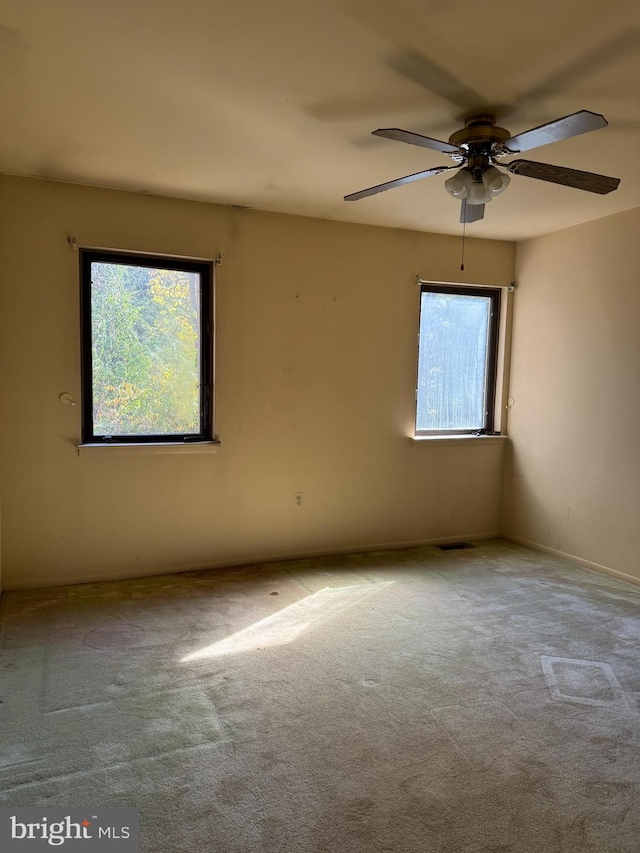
(480, 146)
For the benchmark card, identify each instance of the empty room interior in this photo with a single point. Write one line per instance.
(319, 406)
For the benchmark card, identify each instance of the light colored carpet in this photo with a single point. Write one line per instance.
(416, 700)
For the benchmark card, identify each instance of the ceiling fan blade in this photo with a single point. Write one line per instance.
(380, 188)
(554, 131)
(471, 212)
(588, 181)
(417, 139)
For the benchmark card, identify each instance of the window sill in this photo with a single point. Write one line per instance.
(152, 447)
(457, 440)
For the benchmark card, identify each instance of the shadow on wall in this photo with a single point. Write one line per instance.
(527, 512)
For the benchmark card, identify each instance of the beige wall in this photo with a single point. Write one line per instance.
(316, 355)
(573, 472)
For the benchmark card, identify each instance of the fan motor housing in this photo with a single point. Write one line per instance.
(478, 130)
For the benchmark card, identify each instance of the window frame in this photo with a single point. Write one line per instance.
(205, 269)
(491, 364)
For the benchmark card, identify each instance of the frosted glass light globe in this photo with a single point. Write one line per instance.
(478, 194)
(458, 186)
(495, 181)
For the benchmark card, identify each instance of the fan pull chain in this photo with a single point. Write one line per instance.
(464, 232)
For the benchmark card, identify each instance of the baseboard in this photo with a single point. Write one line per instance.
(580, 561)
(37, 583)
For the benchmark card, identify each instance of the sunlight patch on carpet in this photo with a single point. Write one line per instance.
(287, 624)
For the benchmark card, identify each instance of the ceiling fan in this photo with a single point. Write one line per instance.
(478, 149)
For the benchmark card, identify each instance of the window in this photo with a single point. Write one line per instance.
(457, 357)
(147, 354)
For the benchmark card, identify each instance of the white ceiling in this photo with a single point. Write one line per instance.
(270, 103)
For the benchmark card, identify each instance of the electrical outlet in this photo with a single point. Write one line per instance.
(297, 496)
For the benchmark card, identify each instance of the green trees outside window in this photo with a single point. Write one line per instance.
(146, 328)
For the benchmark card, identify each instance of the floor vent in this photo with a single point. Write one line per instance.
(454, 546)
